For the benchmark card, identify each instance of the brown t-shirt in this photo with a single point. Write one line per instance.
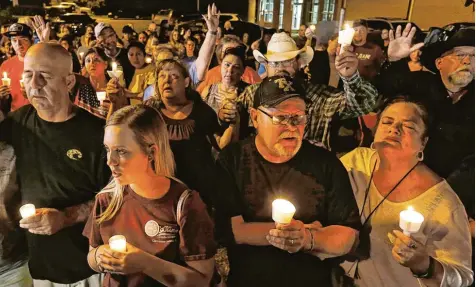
(151, 225)
(370, 57)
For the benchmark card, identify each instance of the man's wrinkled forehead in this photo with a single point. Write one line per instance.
(459, 50)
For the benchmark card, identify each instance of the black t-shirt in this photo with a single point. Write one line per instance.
(190, 141)
(59, 165)
(122, 63)
(314, 180)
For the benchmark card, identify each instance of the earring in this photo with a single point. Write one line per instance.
(420, 156)
(372, 146)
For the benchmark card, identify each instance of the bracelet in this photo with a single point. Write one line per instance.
(312, 239)
(213, 32)
(429, 273)
(95, 260)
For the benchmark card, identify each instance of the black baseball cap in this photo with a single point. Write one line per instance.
(19, 29)
(274, 90)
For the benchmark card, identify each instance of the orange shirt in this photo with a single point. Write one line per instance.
(213, 76)
(14, 69)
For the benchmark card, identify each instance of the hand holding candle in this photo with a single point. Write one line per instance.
(27, 210)
(345, 37)
(115, 73)
(118, 243)
(6, 80)
(410, 221)
(283, 211)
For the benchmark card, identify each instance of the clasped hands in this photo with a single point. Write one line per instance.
(292, 237)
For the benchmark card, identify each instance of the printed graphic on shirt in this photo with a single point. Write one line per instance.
(161, 233)
(363, 56)
(74, 154)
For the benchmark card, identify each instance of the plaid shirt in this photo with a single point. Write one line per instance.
(358, 98)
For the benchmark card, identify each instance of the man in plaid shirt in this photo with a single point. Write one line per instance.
(325, 102)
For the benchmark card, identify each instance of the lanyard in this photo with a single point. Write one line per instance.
(386, 196)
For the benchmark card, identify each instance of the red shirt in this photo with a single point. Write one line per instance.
(151, 225)
(14, 69)
(213, 76)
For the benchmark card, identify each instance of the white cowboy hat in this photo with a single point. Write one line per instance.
(282, 47)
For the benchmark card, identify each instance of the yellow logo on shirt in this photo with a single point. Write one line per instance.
(74, 154)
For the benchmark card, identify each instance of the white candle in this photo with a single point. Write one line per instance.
(81, 54)
(313, 28)
(27, 210)
(148, 60)
(118, 243)
(22, 81)
(101, 95)
(410, 221)
(283, 211)
(345, 37)
(114, 66)
(5, 80)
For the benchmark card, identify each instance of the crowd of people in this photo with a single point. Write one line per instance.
(180, 143)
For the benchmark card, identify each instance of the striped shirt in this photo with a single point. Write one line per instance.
(358, 98)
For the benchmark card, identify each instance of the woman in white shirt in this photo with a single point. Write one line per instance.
(389, 178)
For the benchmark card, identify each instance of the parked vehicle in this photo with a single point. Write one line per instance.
(76, 21)
(129, 14)
(163, 15)
(77, 8)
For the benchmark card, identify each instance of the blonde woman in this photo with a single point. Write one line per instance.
(168, 231)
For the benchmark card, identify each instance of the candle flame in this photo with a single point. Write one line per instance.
(114, 66)
(411, 208)
(5, 75)
(346, 26)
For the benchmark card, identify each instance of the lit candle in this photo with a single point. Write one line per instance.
(101, 95)
(118, 243)
(345, 37)
(81, 55)
(22, 81)
(27, 210)
(5, 80)
(410, 221)
(283, 211)
(148, 60)
(115, 73)
(313, 28)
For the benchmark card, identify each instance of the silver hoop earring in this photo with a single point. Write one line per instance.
(372, 146)
(420, 156)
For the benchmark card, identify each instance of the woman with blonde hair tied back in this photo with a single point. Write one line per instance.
(168, 231)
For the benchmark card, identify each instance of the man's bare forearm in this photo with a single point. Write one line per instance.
(333, 240)
(250, 233)
(78, 213)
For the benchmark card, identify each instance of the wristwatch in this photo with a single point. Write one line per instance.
(213, 32)
(429, 273)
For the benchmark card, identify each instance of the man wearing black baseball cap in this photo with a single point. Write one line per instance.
(448, 93)
(21, 36)
(278, 163)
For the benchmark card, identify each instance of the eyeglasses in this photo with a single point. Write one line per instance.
(283, 64)
(293, 120)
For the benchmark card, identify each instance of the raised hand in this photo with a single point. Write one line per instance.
(213, 18)
(346, 62)
(42, 29)
(400, 45)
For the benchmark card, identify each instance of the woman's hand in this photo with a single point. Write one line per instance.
(410, 253)
(114, 91)
(291, 237)
(129, 262)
